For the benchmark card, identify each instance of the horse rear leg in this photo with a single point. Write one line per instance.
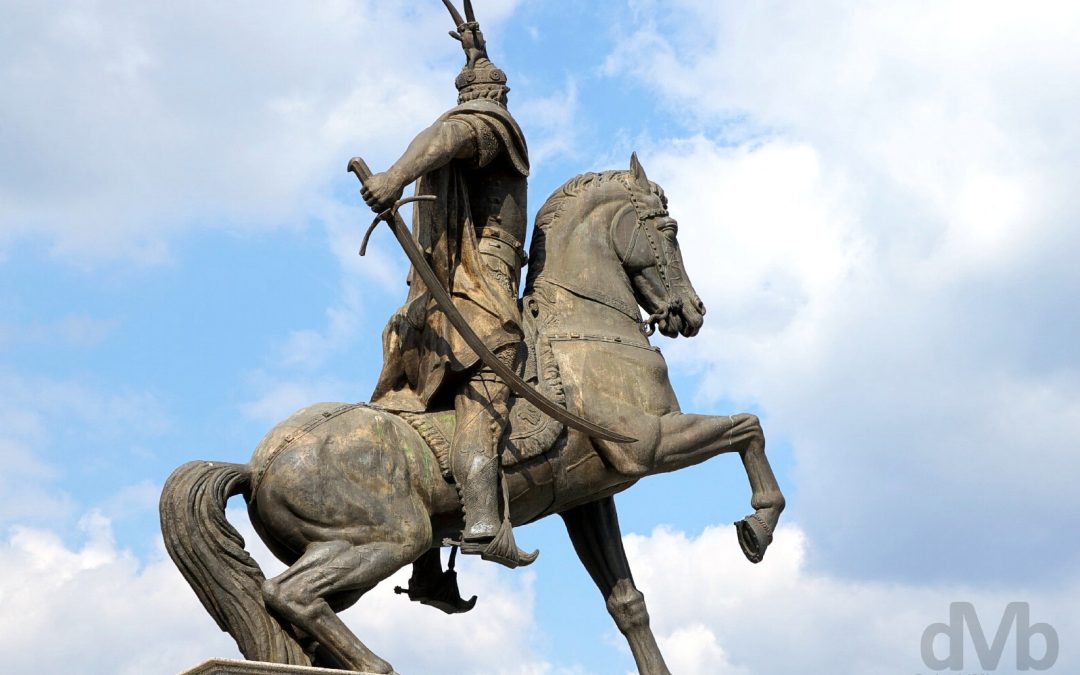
(594, 531)
(332, 570)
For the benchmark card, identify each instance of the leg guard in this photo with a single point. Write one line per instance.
(481, 418)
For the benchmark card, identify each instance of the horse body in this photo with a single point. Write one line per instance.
(348, 494)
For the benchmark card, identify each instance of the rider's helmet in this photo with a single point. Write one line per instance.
(479, 78)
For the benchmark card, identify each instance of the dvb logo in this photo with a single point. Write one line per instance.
(962, 614)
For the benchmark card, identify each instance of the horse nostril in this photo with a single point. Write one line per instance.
(700, 306)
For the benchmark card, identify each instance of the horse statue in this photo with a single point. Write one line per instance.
(347, 494)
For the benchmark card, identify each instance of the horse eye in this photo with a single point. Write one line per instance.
(668, 229)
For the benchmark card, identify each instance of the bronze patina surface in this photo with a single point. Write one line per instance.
(450, 452)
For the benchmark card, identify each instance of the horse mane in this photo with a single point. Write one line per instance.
(552, 213)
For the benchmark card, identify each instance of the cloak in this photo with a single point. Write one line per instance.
(422, 352)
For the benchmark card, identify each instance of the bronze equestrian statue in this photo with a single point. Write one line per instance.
(491, 411)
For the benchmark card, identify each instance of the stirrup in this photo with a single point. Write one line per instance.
(442, 594)
(501, 549)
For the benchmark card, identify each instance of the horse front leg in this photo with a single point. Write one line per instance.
(686, 440)
(594, 531)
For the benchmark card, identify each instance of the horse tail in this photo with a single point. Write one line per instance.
(210, 554)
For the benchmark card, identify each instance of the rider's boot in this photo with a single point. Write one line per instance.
(481, 418)
(480, 498)
(488, 532)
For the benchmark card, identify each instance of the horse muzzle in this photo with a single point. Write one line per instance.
(673, 319)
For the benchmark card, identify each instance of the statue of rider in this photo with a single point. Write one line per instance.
(473, 160)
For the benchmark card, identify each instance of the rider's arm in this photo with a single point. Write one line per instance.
(432, 148)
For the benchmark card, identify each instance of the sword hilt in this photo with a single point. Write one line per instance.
(359, 167)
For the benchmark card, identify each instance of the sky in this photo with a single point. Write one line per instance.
(877, 202)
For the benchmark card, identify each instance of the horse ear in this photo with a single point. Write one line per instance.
(638, 171)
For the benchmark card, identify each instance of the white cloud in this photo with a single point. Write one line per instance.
(773, 230)
(137, 499)
(25, 486)
(280, 398)
(97, 605)
(554, 123)
(128, 122)
(888, 226)
(715, 613)
(495, 637)
(30, 403)
(712, 611)
(694, 649)
(312, 348)
(884, 199)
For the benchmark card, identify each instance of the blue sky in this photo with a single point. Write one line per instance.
(877, 203)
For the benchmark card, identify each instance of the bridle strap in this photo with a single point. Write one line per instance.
(622, 255)
(673, 304)
(642, 216)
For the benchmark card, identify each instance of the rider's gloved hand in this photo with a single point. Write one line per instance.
(381, 190)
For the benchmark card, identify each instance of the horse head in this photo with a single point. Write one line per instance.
(608, 237)
(645, 239)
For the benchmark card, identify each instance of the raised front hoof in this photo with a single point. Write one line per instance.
(754, 537)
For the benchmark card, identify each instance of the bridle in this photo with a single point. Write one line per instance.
(643, 214)
(660, 262)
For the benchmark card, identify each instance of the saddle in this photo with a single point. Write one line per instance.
(529, 433)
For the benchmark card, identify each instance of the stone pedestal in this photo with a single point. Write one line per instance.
(235, 667)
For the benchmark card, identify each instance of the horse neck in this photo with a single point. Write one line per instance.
(579, 273)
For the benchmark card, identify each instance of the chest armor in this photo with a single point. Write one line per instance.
(497, 199)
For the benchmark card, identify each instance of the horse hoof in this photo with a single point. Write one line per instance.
(754, 537)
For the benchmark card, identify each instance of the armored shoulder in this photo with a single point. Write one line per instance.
(496, 132)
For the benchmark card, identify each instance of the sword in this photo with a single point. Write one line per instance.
(442, 298)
